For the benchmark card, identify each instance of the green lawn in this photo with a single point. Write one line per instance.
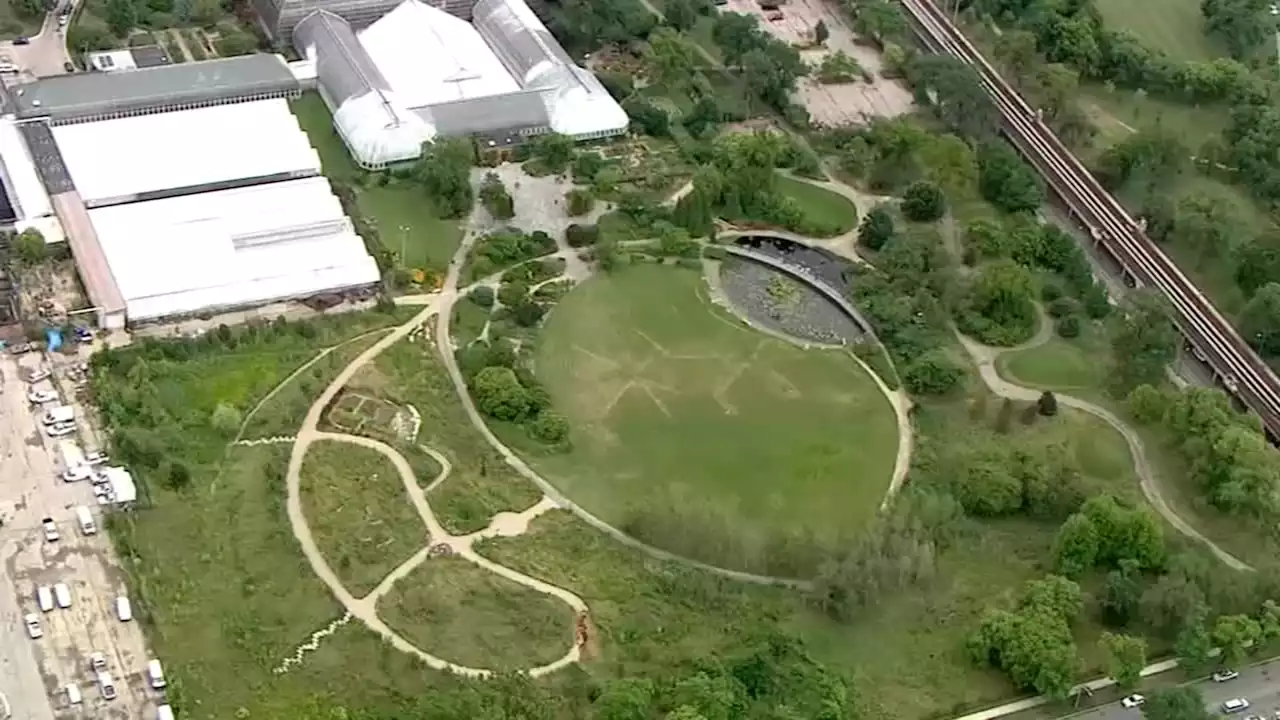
(703, 436)
(463, 613)
(12, 24)
(359, 514)
(1073, 366)
(1174, 26)
(820, 205)
(406, 221)
(481, 484)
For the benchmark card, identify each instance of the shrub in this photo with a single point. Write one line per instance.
(549, 427)
(482, 295)
(924, 202)
(581, 235)
(933, 373)
(1068, 327)
(1062, 307)
(579, 202)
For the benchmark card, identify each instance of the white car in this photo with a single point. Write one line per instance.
(33, 626)
(97, 662)
(1133, 701)
(77, 473)
(50, 530)
(96, 458)
(62, 594)
(1225, 675)
(124, 610)
(39, 397)
(61, 429)
(1235, 705)
(38, 375)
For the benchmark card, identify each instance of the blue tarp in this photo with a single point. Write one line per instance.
(54, 336)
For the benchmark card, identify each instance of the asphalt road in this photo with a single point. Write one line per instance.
(1259, 685)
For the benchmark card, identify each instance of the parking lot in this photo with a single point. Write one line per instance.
(35, 672)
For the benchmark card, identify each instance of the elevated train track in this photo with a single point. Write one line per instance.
(1211, 336)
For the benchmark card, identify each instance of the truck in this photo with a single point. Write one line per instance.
(59, 414)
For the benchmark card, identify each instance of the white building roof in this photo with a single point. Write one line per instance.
(430, 57)
(231, 248)
(119, 160)
(30, 200)
(123, 489)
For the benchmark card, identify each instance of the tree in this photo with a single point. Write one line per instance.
(1033, 643)
(1234, 635)
(90, 33)
(694, 213)
(680, 14)
(625, 699)
(178, 478)
(770, 72)
(737, 34)
(1047, 405)
(1147, 404)
(482, 296)
(581, 235)
(1242, 25)
(527, 313)
(549, 427)
(1006, 181)
(1000, 306)
(206, 12)
(1126, 656)
(232, 40)
(1259, 322)
(879, 20)
(1075, 549)
(933, 373)
(593, 24)
(1269, 620)
(646, 118)
(1257, 262)
(923, 202)
(1206, 224)
(1144, 342)
(122, 16)
(1183, 702)
(821, 33)
(1125, 533)
(1123, 595)
(444, 170)
(499, 394)
(876, 228)
(1193, 645)
(225, 419)
(578, 202)
(554, 150)
(959, 99)
(988, 486)
(671, 58)
(30, 247)
(495, 198)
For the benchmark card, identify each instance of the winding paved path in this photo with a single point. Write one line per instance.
(985, 357)
(364, 609)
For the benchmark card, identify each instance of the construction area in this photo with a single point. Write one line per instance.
(830, 104)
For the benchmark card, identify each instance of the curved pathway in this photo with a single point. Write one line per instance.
(364, 609)
(985, 357)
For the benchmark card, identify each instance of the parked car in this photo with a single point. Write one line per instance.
(50, 529)
(44, 598)
(1133, 701)
(62, 594)
(97, 662)
(1225, 675)
(22, 40)
(107, 686)
(124, 610)
(83, 334)
(40, 397)
(62, 429)
(70, 67)
(21, 348)
(38, 375)
(155, 674)
(96, 457)
(77, 473)
(1235, 705)
(33, 626)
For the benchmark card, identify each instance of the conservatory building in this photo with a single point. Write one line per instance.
(421, 72)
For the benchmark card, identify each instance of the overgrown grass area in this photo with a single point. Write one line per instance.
(216, 576)
(407, 222)
(359, 513)
(1173, 26)
(481, 483)
(703, 436)
(456, 610)
(822, 206)
(13, 23)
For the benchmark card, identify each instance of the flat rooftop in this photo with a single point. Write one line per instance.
(79, 95)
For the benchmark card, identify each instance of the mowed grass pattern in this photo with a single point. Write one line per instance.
(1173, 26)
(684, 418)
(359, 513)
(463, 613)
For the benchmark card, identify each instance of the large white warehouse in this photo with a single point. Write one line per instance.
(150, 156)
(231, 248)
(420, 72)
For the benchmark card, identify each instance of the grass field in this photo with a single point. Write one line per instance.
(406, 221)
(481, 483)
(687, 424)
(214, 571)
(12, 24)
(1079, 366)
(465, 614)
(820, 205)
(1173, 26)
(359, 513)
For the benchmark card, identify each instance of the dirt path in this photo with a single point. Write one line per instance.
(364, 609)
(985, 357)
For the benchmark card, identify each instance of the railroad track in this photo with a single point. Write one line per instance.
(1211, 336)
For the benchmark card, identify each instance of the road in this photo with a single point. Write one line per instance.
(1259, 685)
(46, 55)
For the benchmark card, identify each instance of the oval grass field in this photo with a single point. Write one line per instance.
(704, 437)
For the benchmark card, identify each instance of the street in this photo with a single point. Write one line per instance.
(35, 672)
(46, 54)
(1259, 685)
